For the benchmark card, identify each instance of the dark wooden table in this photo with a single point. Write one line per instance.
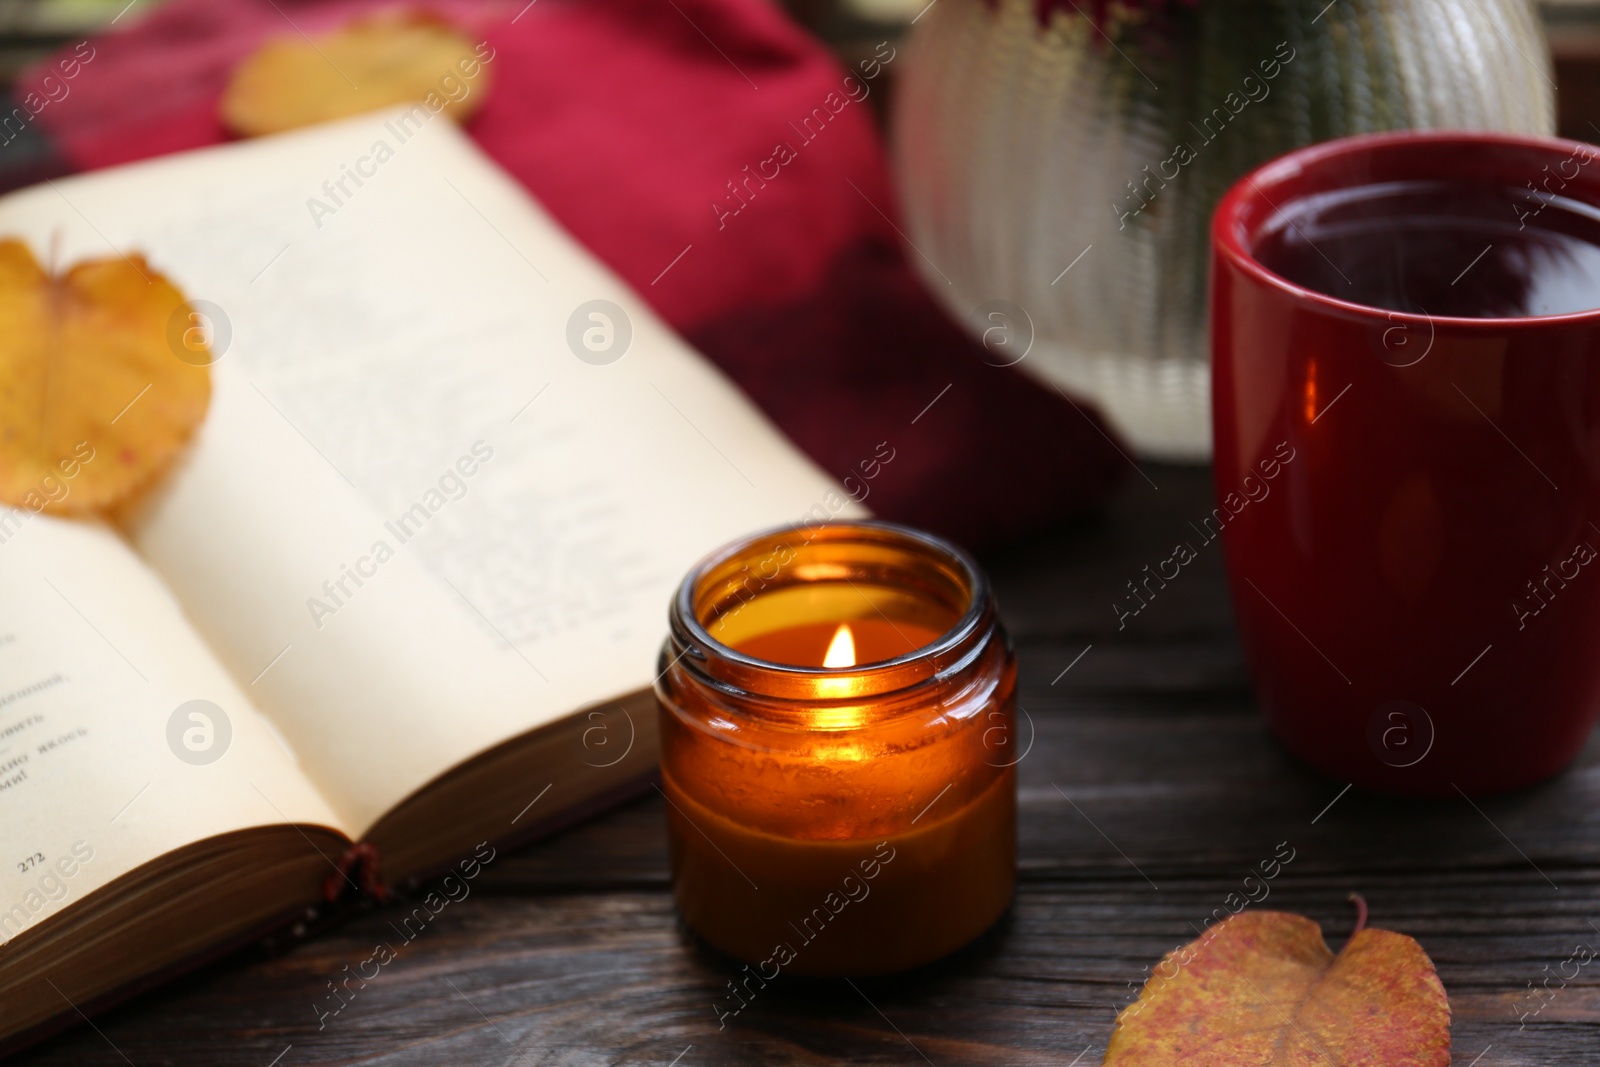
(1150, 791)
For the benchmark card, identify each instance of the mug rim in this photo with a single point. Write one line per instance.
(1227, 222)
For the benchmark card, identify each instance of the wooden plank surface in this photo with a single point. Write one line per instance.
(1150, 790)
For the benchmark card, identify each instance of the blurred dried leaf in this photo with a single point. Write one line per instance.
(371, 62)
(1261, 987)
(94, 402)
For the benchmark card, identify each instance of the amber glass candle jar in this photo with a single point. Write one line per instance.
(836, 750)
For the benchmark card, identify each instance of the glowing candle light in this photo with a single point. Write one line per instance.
(836, 735)
(842, 649)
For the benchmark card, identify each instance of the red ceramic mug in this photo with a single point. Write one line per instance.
(1409, 503)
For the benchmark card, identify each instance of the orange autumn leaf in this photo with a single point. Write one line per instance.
(94, 402)
(372, 62)
(1262, 988)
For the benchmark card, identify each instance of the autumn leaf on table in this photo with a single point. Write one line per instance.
(372, 62)
(1262, 988)
(94, 399)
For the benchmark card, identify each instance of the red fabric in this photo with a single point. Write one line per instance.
(628, 119)
(361, 860)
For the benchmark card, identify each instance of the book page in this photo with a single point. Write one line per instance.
(454, 468)
(121, 738)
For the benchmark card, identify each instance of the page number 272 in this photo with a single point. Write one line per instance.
(30, 862)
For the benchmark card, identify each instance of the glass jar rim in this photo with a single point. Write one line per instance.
(948, 653)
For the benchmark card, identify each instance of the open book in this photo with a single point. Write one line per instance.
(406, 588)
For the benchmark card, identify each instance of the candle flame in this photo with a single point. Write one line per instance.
(842, 649)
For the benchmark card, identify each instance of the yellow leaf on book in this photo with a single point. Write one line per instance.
(371, 62)
(96, 397)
